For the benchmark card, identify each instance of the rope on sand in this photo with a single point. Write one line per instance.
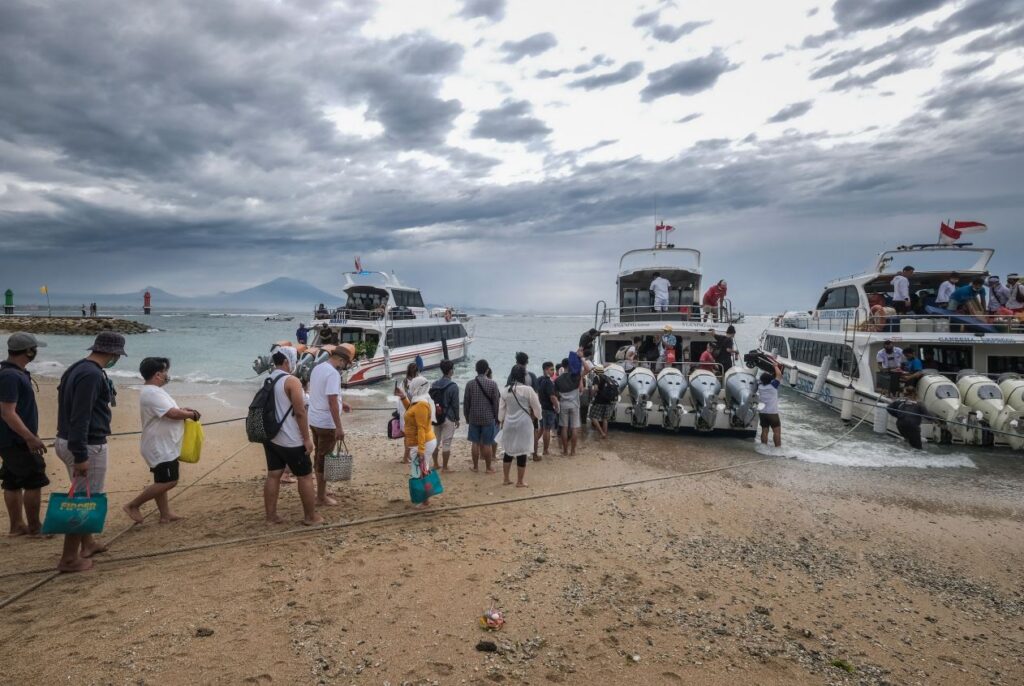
(312, 530)
(53, 575)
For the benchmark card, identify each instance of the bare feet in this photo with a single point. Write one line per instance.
(522, 485)
(95, 550)
(327, 501)
(421, 506)
(445, 470)
(170, 518)
(317, 519)
(536, 457)
(18, 530)
(80, 565)
(474, 469)
(134, 513)
(275, 519)
(491, 471)
(506, 482)
(572, 454)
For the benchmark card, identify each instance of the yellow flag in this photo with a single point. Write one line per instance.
(44, 290)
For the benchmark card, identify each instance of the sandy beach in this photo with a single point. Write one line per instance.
(774, 572)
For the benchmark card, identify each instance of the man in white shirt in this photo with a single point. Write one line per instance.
(946, 289)
(1016, 301)
(901, 290)
(629, 360)
(890, 367)
(998, 295)
(325, 408)
(660, 286)
(163, 425)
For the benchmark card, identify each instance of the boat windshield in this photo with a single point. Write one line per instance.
(935, 259)
(666, 259)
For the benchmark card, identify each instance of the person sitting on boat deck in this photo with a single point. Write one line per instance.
(901, 290)
(969, 298)
(586, 347)
(998, 295)
(726, 348)
(768, 395)
(890, 367)
(709, 359)
(321, 311)
(302, 334)
(946, 289)
(712, 300)
(659, 287)
(908, 413)
(1016, 301)
(913, 368)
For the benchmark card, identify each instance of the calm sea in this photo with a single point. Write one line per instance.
(212, 353)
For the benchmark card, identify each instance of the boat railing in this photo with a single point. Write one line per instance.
(670, 314)
(857, 320)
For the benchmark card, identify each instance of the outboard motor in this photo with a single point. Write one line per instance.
(704, 388)
(617, 375)
(671, 387)
(941, 398)
(641, 387)
(981, 394)
(1012, 386)
(263, 363)
(740, 390)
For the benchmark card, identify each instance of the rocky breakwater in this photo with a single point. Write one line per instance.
(70, 326)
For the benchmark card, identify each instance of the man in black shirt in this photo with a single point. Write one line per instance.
(726, 348)
(587, 343)
(23, 473)
(84, 397)
(548, 405)
(909, 413)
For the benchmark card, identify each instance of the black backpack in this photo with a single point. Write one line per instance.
(607, 391)
(261, 423)
(437, 395)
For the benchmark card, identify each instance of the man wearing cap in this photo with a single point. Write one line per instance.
(23, 473)
(84, 397)
(999, 295)
(1016, 299)
(890, 367)
(325, 408)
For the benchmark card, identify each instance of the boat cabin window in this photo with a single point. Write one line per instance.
(946, 359)
(923, 288)
(365, 299)
(637, 301)
(839, 298)
(407, 298)
(777, 345)
(814, 353)
(420, 335)
(1000, 364)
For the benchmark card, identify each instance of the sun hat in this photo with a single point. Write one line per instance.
(345, 350)
(109, 343)
(598, 369)
(19, 341)
(667, 328)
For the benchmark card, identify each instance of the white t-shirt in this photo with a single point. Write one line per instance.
(768, 393)
(900, 288)
(946, 289)
(324, 381)
(660, 287)
(161, 437)
(629, 361)
(893, 360)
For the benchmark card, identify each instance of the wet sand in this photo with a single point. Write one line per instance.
(776, 572)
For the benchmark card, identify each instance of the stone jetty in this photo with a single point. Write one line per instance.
(71, 326)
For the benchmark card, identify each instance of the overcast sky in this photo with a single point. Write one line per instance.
(500, 153)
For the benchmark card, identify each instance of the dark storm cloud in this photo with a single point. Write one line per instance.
(489, 9)
(896, 66)
(535, 45)
(687, 77)
(510, 123)
(856, 15)
(961, 100)
(966, 70)
(424, 54)
(914, 44)
(626, 72)
(797, 109)
(998, 40)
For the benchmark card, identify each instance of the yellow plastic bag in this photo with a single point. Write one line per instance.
(192, 442)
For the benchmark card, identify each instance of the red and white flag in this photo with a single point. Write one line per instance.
(359, 265)
(951, 234)
(662, 226)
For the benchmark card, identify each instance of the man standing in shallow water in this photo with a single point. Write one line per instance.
(84, 398)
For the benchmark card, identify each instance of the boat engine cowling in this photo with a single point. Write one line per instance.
(617, 374)
(671, 387)
(941, 398)
(982, 395)
(740, 391)
(642, 384)
(1012, 387)
(704, 389)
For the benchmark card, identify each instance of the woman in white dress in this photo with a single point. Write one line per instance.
(518, 409)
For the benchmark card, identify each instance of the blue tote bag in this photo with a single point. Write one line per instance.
(425, 487)
(76, 515)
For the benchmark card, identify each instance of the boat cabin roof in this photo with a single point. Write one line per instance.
(928, 260)
(660, 259)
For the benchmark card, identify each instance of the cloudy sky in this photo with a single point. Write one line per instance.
(500, 153)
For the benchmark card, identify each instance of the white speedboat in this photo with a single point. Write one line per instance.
(389, 326)
(670, 389)
(971, 384)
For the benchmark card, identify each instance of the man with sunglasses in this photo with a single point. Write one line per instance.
(23, 474)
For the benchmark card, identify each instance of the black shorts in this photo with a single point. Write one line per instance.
(520, 459)
(165, 472)
(770, 421)
(296, 459)
(22, 469)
